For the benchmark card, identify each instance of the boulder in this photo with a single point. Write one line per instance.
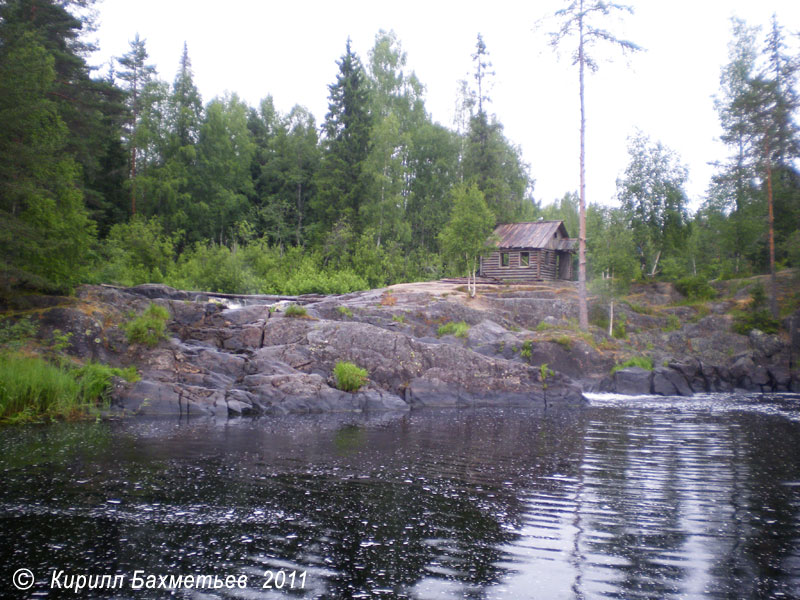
(670, 382)
(633, 381)
(765, 344)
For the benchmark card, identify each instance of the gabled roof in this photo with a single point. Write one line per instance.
(536, 234)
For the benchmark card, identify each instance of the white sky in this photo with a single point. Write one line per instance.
(289, 50)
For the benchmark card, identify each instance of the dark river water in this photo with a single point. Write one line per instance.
(623, 498)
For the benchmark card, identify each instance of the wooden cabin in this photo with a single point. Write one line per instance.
(537, 251)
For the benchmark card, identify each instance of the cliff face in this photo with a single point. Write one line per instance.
(241, 355)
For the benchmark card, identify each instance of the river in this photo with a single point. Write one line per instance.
(662, 498)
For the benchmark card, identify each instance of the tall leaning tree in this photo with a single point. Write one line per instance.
(581, 21)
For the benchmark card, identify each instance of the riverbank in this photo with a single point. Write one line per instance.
(422, 344)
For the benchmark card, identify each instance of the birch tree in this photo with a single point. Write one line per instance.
(465, 238)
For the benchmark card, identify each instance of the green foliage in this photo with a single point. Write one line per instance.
(641, 309)
(349, 377)
(241, 199)
(32, 389)
(295, 311)
(344, 180)
(673, 324)
(543, 326)
(345, 312)
(14, 334)
(757, 315)
(599, 318)
(148, 328)
(562, 340)
(652, 195)
(214, 268)
(399, 318)
(744, 322)
(46, 233)
(695, 288)
(645, 362)
(465, 238)
(526, 350)
(137, 252)
(458, 329)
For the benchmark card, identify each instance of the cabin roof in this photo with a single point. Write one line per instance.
(535, 234)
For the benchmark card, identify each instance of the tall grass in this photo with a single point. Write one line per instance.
(31, 388)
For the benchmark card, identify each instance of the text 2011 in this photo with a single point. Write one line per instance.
(281, 579)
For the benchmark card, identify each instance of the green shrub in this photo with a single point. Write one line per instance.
(695, 288)
(349, 377)
(148, 328)
(295, 311)
(399, 318)
(459, 329)
(673, 324)
(526, 350)
(14, 334)
(745, 321)
(757, 316)
(645, 362)
(345, 312)
(136, 252)
(562, 340)
(642, 309)
(545, 326)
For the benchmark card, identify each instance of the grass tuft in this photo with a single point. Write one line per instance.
(459, 329)
(349, 377)
(295, 311)
(645, 362)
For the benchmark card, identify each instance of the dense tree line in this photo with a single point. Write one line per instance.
(129, 178)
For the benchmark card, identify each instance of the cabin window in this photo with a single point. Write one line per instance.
(504, 259)
(524, 259)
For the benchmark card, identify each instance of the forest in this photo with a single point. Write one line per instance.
(128, 178)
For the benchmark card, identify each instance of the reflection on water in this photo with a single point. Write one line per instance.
(623, 499)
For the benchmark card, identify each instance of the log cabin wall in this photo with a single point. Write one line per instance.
(542, 264)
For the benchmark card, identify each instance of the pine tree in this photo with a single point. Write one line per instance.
(136, 74)
(577, 20)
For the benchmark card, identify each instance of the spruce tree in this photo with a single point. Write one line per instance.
(343, 180)
(185, 105)
(46, 232)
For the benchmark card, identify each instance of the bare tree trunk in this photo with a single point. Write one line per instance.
(133, 180)
(299, 213)
(583, 313)
(611, 319)
(655, 264)
(773, 301)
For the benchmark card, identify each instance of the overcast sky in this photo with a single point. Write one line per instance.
(289, 50)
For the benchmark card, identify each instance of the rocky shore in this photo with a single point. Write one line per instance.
(238, 355)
